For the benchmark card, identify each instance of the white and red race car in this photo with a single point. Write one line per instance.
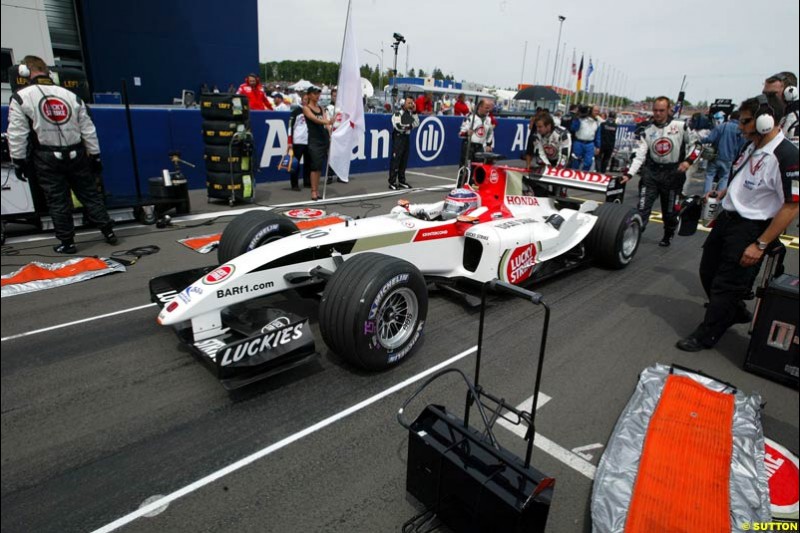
(373, 273)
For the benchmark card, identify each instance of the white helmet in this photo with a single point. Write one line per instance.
(459, 202)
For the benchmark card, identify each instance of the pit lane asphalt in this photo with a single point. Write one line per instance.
(100, 416)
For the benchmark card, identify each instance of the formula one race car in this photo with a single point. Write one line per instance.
(373, 273)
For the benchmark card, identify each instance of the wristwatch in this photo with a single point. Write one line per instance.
(762, 245)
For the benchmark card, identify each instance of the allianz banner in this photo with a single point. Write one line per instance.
(434, 143)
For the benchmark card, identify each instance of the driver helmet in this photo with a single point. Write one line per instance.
(459, 202)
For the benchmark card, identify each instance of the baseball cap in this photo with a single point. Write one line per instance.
(313, 89)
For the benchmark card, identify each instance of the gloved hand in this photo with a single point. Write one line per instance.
(95, 163)
(22, 168)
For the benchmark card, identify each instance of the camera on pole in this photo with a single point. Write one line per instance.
(398, 38)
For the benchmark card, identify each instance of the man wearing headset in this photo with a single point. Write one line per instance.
(784, 85)
(757, 207)
(50, 133)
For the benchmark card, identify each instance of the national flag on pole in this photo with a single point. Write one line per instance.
(574, 64)
(589, 71)
(580, 75)
(349, 122)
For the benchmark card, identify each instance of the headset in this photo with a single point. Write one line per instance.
(24, 71)
(765, 115)
(790, 94)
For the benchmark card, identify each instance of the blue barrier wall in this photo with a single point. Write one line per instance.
(169, 46)
(159, 130)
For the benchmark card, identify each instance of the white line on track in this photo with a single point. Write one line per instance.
(152, 506)
(74, 323)
(546, 445)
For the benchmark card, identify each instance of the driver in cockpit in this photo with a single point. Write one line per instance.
(458, 202)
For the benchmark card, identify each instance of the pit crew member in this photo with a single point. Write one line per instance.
(757, 207)
(403, 121)
(477, 131)
(51, 135)
(549, 144)
(666, 149)
(587, 137)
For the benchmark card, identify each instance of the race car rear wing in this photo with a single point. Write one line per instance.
(580, 179)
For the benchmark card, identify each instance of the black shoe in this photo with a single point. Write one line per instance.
(65, 248)
(110, 237)
(743, 316)
(404, 185)
(690, 344)
(665, 241)
(296, 188)
(329, 181)
(394, 186)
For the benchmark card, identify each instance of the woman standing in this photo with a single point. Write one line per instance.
(318, 137)
(298, 144)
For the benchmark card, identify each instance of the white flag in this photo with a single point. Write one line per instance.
(349, 121)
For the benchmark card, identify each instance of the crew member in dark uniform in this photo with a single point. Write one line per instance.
(757, 207)
(50, 133)
(608, 140)
(403, 121)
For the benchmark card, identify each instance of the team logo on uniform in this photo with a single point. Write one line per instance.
(662, 146)
(430, 138)
(55, 110)
(550, 151)
(481, 131)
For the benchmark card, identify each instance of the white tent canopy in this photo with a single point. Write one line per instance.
(301, 85)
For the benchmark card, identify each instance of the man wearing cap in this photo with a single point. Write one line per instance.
(278, 104)
(254, 91)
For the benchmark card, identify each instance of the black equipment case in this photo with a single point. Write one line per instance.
(462, 476)
(773, 350)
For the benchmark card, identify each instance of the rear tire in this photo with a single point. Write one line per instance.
(373, 310)
(615, 236)
(250, 230)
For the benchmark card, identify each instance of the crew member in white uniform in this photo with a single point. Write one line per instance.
(757, 207)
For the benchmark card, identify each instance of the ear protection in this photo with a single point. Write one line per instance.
(24, 71)
(765, 116)
(790, 94)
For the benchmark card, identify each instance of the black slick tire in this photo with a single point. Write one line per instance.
(250, 230)
(373, 310)
(615, 236)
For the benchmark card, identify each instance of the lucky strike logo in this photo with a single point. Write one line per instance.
(218, 275)
(305, 213)
(662, 146)
(55, 110)
(520, 263)
(550, 151)
(481, 131)
(494, 177)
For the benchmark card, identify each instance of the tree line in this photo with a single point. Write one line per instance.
(327, 72)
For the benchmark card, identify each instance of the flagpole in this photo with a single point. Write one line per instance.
(536, 68)
(524, 55)
(330, 134)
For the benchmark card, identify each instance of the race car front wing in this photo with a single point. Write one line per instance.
(257, 340)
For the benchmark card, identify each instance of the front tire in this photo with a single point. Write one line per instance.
(615, 236)
(373, 310)
(250, 230)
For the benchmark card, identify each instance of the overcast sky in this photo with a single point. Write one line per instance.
(725, 48)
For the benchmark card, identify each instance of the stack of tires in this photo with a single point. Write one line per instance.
(229, 147)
